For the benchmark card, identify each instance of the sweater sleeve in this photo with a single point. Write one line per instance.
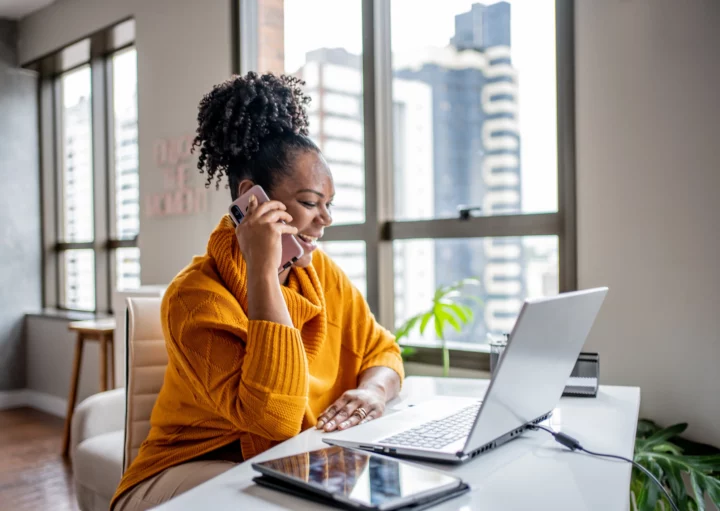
(259, 384)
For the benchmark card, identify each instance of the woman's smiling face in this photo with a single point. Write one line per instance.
(307, 191)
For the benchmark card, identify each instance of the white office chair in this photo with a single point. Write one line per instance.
(107, 428)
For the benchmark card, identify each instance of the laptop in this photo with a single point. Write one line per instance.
(527, 384)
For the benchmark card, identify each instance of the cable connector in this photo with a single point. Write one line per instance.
(567, 441)
(561, 438)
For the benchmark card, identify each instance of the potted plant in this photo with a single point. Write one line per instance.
(664, 454)
(448, 307)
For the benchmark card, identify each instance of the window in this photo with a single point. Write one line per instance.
(76, 185)
(88, 114)
(76, 147)
(296, 37)
(125, 168)
(451, 148)
(510, 269)
(350, 256)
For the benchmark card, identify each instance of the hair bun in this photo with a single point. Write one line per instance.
(239, 113)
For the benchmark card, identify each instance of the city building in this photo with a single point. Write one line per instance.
(77, 223)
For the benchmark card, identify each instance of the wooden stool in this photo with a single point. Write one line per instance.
(101, 330)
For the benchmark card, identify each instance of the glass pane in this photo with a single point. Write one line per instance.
(474, 107)
(350, 256)
(79, 279)
(321, 42)
(508, 270)
(125, 129)
(77, 183)
(127, 268)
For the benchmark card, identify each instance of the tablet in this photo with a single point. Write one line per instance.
(359, 479)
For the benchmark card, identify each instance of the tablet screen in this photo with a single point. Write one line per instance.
(364, 478)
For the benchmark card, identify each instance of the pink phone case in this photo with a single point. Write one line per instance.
(291, 249)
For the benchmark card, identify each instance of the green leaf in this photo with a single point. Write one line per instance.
(470, 281)
(651, 493)
(459, 312)
(440, 292)
(673, 475)
(468, 311)
(439, 329)
(425, 319)
(662, 436)
(712, 486)
(445, 316)
(450, 296)
(407, 351)
(705, 464)
(406, 327)
(668, 448)
(698, 489)
(646, 427)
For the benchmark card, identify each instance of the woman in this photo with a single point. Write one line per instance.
(256, 357)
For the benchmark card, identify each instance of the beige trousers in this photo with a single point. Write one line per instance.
(170, 483)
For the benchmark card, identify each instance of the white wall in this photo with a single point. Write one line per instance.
(184, 48)
(648, 178)
(50, 353)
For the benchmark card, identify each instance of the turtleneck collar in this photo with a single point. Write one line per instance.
(303, 293)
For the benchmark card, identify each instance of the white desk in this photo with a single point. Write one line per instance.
(530, 473)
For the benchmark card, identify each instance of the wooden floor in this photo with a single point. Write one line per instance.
(33, 474)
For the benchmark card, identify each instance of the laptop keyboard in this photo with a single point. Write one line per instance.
(437, 434)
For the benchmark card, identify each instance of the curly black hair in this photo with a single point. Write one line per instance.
(249, 127)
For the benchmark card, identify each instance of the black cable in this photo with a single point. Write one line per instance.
(574, 445)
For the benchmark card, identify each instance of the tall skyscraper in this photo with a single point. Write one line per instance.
(476, 155)
(79, 277)
(334, 81)
(127, 193)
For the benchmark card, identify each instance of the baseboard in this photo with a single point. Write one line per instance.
(47, 403)
(12, 399)
(39, 400)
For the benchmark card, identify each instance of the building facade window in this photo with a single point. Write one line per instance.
(126, 178)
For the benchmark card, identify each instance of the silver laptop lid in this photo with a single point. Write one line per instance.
(533, 371)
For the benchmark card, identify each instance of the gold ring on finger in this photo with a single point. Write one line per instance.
(361, 413)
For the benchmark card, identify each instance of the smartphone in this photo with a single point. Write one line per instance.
(291, 249)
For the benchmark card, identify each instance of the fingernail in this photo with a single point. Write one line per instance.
(344, 425)
(329, 425)
(320, 424)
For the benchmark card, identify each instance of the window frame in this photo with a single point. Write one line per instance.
(96, 51)
(380, 229)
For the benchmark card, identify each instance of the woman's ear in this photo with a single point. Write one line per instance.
(244, 186)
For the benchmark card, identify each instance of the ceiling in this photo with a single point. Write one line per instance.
(16, 9)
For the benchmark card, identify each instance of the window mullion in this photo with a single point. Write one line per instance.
(541, 224)
(377, 103)
(100, 175)
(248, 36)
(567, 208)
(58, 135)
(49, 193)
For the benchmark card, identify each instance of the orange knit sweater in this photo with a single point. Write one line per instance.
(230, 378)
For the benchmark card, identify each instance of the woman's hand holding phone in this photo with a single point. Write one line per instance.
(260, 235)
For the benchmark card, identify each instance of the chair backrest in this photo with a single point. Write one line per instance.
(145, 370)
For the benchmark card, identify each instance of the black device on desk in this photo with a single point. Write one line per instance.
(352, 479)
(585, 377)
